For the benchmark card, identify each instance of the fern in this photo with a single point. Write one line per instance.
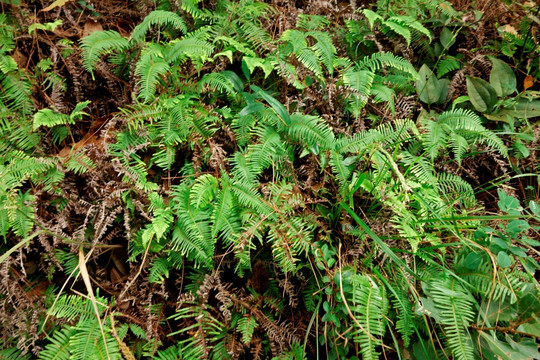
(323, 51)
(447, 65)
(456, 311)
(217, 81)
(158, 17)
(381, 60)
(100, 43)
(13, 354)
(188, 48)
(150, 67)
(246, 326)
(192, 232)
(481, 279)
(59, 346)
(405, 322)
(460, 128)
(369, 307)
(312, 131)
(88, 343)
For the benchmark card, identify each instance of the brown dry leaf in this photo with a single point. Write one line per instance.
(86, 279)
(88, 139)
(510, 29)
(20, 58)
(56, 4)
(91, 26)
(528, 82)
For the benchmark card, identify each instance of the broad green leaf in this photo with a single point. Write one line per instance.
(444, 85)
(525, 349)
(508, 204)
(473, 260)
(502, 78)
(516, 226)
(276, 105)
(427, 86)
(524, 109)
(481, 94)
(502, 350)
(535, 208)
(503, 259)
(447, 38)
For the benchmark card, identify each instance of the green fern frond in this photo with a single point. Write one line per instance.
(370, 306)
(269, 148)
(100, 43)
(188, 48)
(15, 91)
(461, 128)
(216, 81)
(361, 81)
(399, 28)
(190, 6)
(88, 342)
(192, 231)
(325, 49)
(453, 184)
(256, 35)
(204, 190)
(59, 346)
(13, 354)
(311, 130)
(405, 322)
(380, 60)
(246, 326)
(309, 59)
(150, 67)
(158, 17)
(455, 306)
(311, 22)
(159, 270)
(480, 279)
(447, 65)
(74, 307)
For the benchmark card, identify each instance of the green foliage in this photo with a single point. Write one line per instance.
(158, 17)
(279, 191)
(98, 44)
(459, 128)
(370, 306)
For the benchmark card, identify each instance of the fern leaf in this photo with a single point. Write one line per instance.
(311, 130)
(88, 342)
(59, 346)
(398, 27)
(192, 231)
(216, 81)
(16, 92)
(100, 43)
(158, 17)
(370, 307)
(456, 311)
(49, 118)
(325, 50)
(150, 67)
(447, 65)
(190, 48)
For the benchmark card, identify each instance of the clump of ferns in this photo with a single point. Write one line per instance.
(232, 327)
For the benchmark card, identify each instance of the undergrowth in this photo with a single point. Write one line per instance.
(250, 180)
